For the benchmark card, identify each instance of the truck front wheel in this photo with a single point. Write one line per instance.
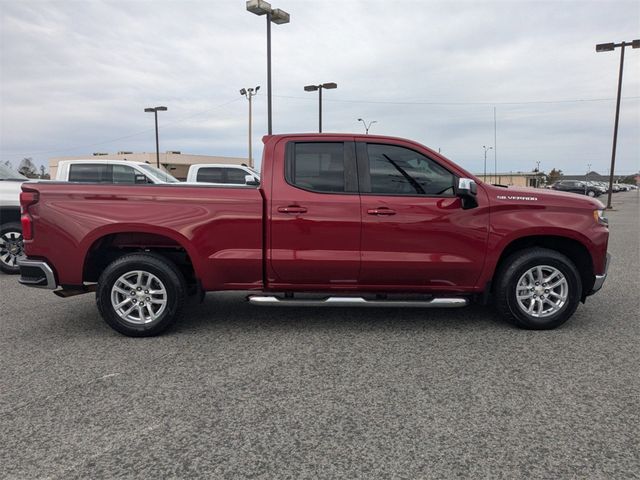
(140, 294)
(538, 289)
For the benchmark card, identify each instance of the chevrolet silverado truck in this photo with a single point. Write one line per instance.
(337, 220)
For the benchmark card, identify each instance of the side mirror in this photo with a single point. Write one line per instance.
(251, 180)
(467, 191)
(140, 178)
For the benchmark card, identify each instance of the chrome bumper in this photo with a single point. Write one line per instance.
(597, 285)
(36, 273)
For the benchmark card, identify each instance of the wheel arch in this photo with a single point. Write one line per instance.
(575, 250)
(104, 248)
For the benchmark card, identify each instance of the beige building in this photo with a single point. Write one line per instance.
(176, 163)
(513, 179)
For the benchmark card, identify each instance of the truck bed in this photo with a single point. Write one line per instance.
(219, 228)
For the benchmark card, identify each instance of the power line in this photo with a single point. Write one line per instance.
(411, 102)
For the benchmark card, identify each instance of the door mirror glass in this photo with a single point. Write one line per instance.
(467, 191)
(251, 180)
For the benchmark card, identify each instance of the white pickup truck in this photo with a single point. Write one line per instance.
(111, 171)
(10, 228)
(223, 174)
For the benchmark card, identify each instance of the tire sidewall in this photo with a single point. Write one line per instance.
(168, 275)
(573, 298)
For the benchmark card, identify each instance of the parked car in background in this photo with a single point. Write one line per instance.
(111, 171)
(223, 174)
(597, 186)
(10, 229)
(576, 186)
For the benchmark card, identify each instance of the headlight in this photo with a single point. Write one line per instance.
(598, 216)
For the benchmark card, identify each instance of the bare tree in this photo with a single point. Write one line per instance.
(28, 168)
(554, 175)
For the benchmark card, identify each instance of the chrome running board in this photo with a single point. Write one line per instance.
(267, 300)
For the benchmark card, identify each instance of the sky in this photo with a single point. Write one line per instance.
(75, 77)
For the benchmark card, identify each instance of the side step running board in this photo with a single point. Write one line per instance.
(452, 302)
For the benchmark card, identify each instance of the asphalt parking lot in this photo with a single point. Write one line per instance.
(238, 391)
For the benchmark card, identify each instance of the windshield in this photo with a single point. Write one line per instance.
(8, 173)
(159, 174)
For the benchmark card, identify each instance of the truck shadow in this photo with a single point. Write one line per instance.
(230, 310)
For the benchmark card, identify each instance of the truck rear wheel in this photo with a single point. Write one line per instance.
(538, 289)
(11, 247)
(140, 294)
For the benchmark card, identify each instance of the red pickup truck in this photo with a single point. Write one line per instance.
(338, 220)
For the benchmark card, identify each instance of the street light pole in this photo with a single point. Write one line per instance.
(269, 110)
(313, 88)
(486, 149)
(155, 111)
(249, 93)
(607, 47)
(277, 16)
(537, 173)
(367, 127)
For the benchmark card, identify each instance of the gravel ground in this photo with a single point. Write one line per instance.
(237, 391)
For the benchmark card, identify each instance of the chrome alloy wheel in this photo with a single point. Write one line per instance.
(11, 247)
(542, 291)
(138, 297)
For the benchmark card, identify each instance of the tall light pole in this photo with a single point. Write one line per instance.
(486, 149)
(537, 173)
(277, 16)
(319, 88)
(608, 47)
(155, 111)
(367, 127)
(249, 93)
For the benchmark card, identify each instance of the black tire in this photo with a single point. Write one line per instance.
(11, 247)
(164, 271)
(513, 269)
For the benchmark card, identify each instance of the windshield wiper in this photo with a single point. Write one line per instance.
(418, 188)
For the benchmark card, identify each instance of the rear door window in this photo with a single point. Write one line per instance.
(90, 172)
(317, 166)
(211, 175)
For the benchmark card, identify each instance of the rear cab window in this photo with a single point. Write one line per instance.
(323, 167)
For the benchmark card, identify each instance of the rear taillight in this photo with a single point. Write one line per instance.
(27, 198)
(27, 226)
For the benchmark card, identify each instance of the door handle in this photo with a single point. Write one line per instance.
(292, 209)
(381, 211)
